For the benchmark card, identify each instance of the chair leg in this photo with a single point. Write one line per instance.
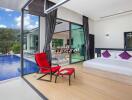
(50, 76)
(69, 79)
(56, 78)
(74, 75)
(42, 76)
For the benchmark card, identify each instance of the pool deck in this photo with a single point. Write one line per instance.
(17, 89)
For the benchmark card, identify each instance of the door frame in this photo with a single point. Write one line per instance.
(70, 42)
(70, 37)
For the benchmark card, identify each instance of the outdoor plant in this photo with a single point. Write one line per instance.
(16, 48)
(8, 37)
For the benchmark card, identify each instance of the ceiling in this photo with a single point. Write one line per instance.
(12, 4)
(96, 9)
(62, 26)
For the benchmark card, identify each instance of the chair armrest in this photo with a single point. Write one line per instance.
(44, 68)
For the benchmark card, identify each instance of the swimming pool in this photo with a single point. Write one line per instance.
(10, 67)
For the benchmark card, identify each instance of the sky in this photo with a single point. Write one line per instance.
(12, 19)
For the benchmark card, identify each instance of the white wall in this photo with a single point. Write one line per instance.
(115, 27)
(91, 26)
(69, 15)
(62, 27)
(42, 33)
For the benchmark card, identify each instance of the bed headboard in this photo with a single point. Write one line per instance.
(98, 50)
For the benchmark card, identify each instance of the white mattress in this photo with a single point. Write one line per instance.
(112, 65)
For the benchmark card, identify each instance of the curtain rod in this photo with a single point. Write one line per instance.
(46, 11)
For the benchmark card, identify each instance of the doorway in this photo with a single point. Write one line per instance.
(68, 45)
(60, 43)
(77, 43)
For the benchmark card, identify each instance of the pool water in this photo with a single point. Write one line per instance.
(10, 67)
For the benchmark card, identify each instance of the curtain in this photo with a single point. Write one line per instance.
(50, 27)
(36, 7)
(86, 34)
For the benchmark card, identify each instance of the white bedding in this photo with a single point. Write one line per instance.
(112, 65)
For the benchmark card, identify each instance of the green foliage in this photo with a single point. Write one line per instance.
(57, 43)
(7, 38)
(16, 48)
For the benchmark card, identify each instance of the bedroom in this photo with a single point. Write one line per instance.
(108, 26)
(114, 34)
(106, 73)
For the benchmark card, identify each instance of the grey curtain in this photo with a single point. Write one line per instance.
(50, 27)
(36, 7)
(86, 34)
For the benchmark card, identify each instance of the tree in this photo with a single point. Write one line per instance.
(16, 48)
(7, 38)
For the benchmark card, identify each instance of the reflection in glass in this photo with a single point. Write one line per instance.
(77, 43)
(129, 40)
(31, 42)
(60, 48)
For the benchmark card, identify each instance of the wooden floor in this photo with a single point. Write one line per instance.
(84, 87)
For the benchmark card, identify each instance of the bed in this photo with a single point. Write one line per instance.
(111, 65)
(116, 69)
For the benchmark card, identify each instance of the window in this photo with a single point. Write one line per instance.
(57, 43)
(31, 34)
(31, 41)
(9, 31)
(128, 40)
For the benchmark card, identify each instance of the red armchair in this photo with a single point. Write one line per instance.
(44, 66)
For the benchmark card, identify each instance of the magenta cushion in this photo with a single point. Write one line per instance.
(106, 54)
(125, 55)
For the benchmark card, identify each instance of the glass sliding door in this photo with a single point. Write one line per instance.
(77, 43)
(30, 42)
(60, 48)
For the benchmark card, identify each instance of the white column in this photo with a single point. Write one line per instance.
(42, 33)
(31, 44)
(28, 42)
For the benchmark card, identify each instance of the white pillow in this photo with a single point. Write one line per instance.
(130, 52)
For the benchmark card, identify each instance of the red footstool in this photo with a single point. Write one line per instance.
(66, 71)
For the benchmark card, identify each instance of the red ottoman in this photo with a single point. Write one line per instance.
(66, 71)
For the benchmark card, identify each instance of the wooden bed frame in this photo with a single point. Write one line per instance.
(110, 75)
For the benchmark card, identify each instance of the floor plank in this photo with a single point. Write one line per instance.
(84, 87)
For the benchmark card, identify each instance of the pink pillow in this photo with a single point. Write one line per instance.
(106, 54)
(125, 55)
